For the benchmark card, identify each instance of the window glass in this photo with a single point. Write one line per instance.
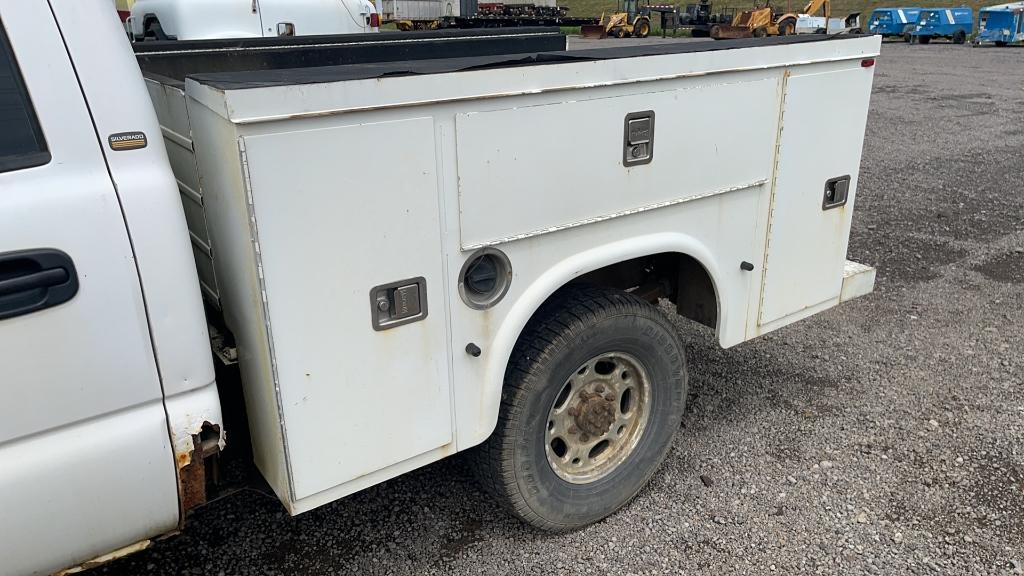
(21, 141)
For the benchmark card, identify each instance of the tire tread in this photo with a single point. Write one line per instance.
(564, 314)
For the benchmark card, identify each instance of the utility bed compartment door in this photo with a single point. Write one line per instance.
(333, 219)
(822, 132)
(536, 169)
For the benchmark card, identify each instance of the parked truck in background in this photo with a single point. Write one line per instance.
(480, 286)
(206, 19)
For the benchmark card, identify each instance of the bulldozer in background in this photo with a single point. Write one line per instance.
(630, 19)
(764, 21)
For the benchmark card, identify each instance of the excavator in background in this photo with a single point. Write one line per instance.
(765, 21)
(630, 19)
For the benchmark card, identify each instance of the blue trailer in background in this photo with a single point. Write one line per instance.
(893, 21)
(1001, 24)
(953, 23)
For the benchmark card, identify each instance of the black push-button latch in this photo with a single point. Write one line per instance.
(836, 192)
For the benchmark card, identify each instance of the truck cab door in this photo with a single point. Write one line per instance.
(86, 464)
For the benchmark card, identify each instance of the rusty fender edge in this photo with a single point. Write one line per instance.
(108, 557)
(197, 463)
(197, 436)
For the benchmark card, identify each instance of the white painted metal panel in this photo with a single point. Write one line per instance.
(332, 223)
(86, 464)
(717, 230)
(75, 493)
(312, 17)
(807, 245)
(513, 162)
(317, 142)
(172, 113)
(227, 208)
(316, 100)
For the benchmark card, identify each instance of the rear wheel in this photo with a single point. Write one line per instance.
(787, 27)
(642, 28)
(593, 395)
(959, 37)
(924, 39)
(1000, 43)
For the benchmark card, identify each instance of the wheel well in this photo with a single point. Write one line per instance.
(678, 277)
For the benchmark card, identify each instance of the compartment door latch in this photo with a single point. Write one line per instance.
(638, 138)
(836, 192)
(397, 303)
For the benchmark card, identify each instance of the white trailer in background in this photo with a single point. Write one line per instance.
(488, 283)
(209, 19)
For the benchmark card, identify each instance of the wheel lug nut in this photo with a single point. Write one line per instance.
(584, 438)
(609, 397)
(574, 430)
(600, 389)
(574, 411)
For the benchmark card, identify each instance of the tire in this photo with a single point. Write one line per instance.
(760, 32)
(959, 37)
(1000, 43)
(715, 32)
(619, 32)
(787, 27)
(572, 335)
(924, 39)
(642, 28)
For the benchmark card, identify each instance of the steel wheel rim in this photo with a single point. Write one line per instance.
(598, 417)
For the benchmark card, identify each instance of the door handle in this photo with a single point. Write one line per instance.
(32, 280)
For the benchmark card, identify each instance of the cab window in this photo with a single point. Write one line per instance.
(21, 140)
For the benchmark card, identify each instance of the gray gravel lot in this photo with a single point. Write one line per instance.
(883, 437)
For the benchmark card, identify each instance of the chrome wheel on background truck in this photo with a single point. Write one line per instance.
(594, 391)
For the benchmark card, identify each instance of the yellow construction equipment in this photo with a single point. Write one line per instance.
(764, 21)
(630, 19)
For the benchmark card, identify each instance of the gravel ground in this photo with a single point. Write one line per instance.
(883, 437)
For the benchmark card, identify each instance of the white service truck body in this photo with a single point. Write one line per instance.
(348, 212)
(529, 162)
